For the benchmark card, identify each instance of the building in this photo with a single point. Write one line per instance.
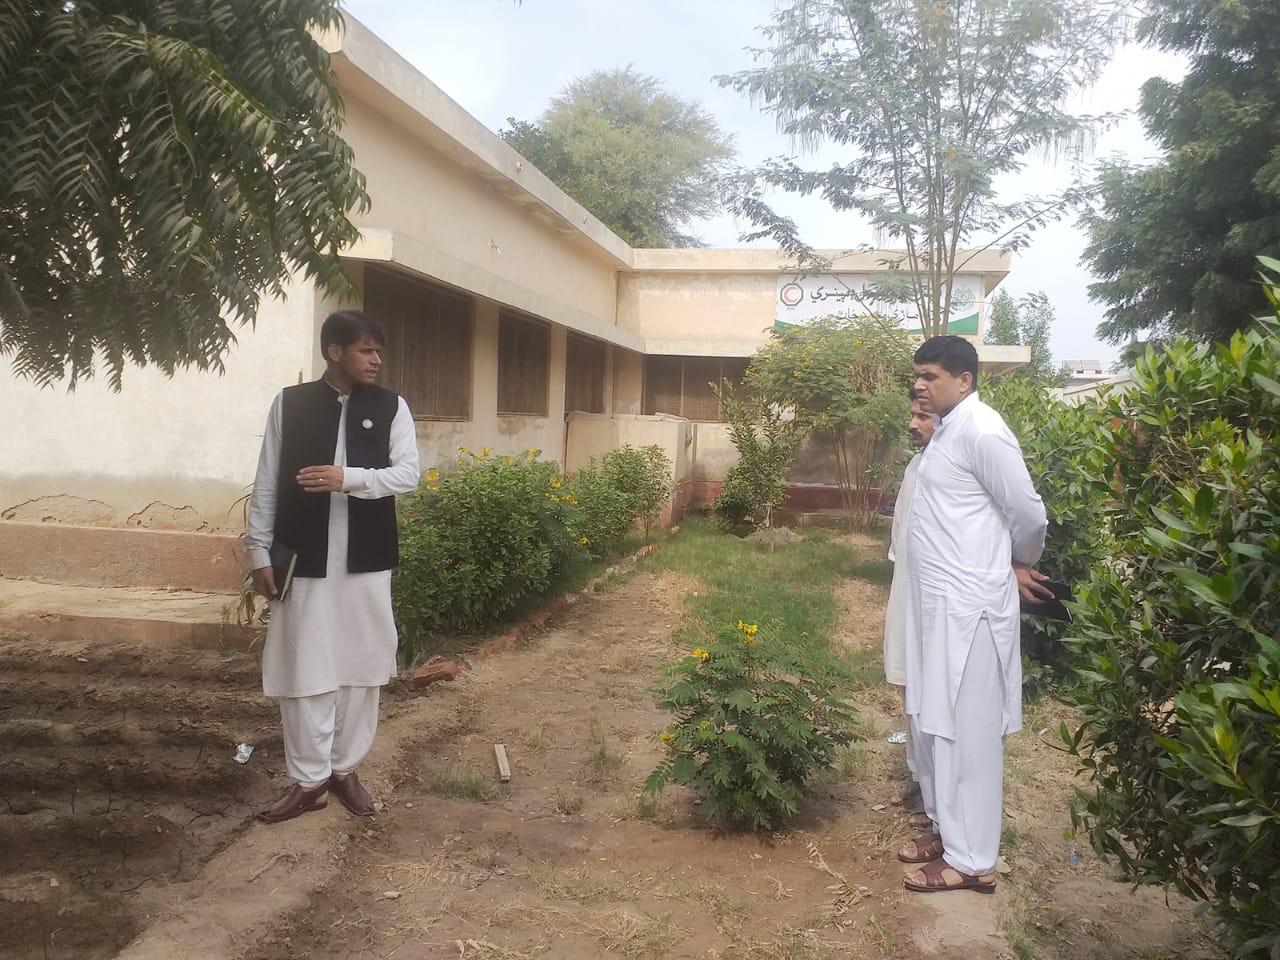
(516, 320)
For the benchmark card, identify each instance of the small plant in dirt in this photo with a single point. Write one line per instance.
(624, 487)
(755, 719)
(455, 783)
(766, 442)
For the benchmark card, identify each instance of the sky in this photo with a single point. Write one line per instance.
(501, 59)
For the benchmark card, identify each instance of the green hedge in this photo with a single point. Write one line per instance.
(489, 533)
(1176, 636)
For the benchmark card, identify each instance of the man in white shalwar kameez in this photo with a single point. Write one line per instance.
(335, 454)
(977, 529)
(920, 430)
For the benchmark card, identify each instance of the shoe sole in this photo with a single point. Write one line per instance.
(264, 818)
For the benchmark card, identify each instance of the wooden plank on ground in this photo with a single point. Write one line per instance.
(504, 768)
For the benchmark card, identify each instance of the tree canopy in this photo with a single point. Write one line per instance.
(644, 161)
(929, 102)
(165, 166)
(1174, 242)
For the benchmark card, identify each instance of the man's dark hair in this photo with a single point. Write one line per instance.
(911, 393)
(953, 354)
(345, 327)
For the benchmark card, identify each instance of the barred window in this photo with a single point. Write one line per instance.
(682, 386)
(524, 360)
(584, 375)
(428, 354)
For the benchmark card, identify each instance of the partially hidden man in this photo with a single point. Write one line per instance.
(335, 454)
(977, 529)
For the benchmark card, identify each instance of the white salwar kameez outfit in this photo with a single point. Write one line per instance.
(331, 643)
(974, 514)
(900, 594)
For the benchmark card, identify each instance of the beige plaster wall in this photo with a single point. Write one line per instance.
(171, 453)
(698, 314)
(470, 231)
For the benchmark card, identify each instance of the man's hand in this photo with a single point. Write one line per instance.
(320, 479)
(1031, 583)
(264, 582)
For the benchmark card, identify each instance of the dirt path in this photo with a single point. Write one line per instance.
(116, 778)
(570, 862)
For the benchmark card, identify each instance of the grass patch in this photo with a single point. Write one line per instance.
(603, 762)
(788, 591)
(567, 803)
(643, 807)
(458, 783)
(574, 884)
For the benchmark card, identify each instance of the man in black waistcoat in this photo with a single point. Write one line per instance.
(335, 454)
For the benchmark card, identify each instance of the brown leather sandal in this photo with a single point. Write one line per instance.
(905, 794)
(352, 794)
(923, 849)
(920, 821)
(938, 876)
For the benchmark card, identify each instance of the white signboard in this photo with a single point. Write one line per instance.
(803, 299)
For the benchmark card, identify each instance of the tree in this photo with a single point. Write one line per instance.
(845, 381)
(1174, 242)
(642, 160)
(934, 101)
(165, 165)
(1035, 317)
(1002, 323)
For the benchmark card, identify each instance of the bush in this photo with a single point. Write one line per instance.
(766, 442)
(754, 720)
(1176, 635)
(1066, 452)
(623, 487)
(478, 540)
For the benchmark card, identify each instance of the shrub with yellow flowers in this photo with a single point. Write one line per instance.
(624, 487)
(754, 720)
(477, 539)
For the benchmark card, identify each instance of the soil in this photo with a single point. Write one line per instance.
(118, 775)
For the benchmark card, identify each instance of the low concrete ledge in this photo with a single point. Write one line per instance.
(121, 557)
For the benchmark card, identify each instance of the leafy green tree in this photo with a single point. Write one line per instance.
(1002, 322)
(1174, 242)
(1035, 318)
(164, 166)
(934, 100)
(846, 382)
(644, 161)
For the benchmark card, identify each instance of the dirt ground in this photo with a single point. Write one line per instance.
(116, 777)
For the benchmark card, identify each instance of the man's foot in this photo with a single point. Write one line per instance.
(352, 794)
(938, 876)
(905, 794)
(296, 801)
(920, 821)
(922, 849)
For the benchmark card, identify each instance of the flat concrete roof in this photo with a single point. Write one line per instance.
(755, 260)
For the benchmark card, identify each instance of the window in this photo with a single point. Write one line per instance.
(584, 375)
(524, 360)
(428, 343)
(681, 386)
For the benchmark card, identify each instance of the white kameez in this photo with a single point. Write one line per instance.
(895, 614)
(974, 514)
(338, 630)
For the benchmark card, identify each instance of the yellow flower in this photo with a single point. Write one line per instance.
(667, 736)
(433, 476)
(701, 654)
(555, 484)
(462, 449)
(484, 451)
(583, 540)
(705, 725)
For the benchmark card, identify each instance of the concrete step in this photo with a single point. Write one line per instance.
(121, 557)
(157, 618)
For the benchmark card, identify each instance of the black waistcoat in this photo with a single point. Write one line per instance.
(309, 437)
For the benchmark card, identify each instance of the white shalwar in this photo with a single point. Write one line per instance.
(895, 614)
(334, 632)
(975, 513)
